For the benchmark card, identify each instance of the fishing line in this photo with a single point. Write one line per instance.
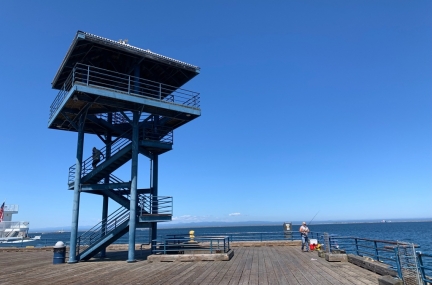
(312, 219)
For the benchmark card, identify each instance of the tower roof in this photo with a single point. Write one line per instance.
(122, 57)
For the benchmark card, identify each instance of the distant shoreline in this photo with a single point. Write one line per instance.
(179, 226)
(248, 224)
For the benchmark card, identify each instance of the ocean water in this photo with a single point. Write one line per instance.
(419, 233)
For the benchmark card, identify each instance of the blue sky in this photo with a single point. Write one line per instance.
(306, 106)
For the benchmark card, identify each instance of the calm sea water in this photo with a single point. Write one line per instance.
(419, 233)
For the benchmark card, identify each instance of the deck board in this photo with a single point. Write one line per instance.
(250, 265)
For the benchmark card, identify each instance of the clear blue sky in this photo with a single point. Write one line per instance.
(307, 106)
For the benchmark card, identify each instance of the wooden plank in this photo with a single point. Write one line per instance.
(247, 269)
(269, 269)
(250, 265)
(261, 276)
(235, 275)
(224, 278)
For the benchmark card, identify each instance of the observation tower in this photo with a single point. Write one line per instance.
(130, 98)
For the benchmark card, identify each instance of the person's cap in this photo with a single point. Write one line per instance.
(304, 223)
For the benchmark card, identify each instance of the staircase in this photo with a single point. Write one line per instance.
(103, 234)
(152, 138)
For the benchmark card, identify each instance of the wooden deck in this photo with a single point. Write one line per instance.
(250, 265)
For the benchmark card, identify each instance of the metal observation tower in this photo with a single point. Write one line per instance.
(130, 98)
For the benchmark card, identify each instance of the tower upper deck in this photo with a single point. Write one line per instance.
(101, 76)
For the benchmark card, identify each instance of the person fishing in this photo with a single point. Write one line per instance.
(96, 157)
(304, 230)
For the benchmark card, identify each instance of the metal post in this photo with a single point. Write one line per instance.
(88, 74)
(155, 192)
(136, 79)
(134, 183)
(108, 144)
(376, 251)
(357, 247)
(79, 244)
(160, 91)
(421, 266)
(76, 200)
(129, 85)
(398, 264)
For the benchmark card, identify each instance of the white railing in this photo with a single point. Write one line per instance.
(11, 208)
(13, 229)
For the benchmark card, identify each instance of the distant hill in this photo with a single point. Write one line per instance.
(240, 224)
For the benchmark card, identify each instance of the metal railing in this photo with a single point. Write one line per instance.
(9, 229)
(191, 245)
(11, 208)
(115, 179)
(117, 145)
(267, 236)
(117, 118)
(58, 100)
(101, 229)
(119, 82)
(157, 133)
(155, 205)
(425, 267)
(384, 251)
(147, 132)
(379, 250)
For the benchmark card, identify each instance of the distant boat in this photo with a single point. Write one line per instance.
(13, 232)
(60, 231)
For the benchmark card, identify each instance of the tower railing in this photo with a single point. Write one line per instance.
(67, 85)
(155, 205)
(119, 82)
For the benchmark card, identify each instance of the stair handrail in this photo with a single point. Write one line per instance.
(97, 232)
(117, 117)
(117, 145)
(115, 179)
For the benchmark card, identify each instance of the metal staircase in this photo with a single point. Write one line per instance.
(104, 233)
(150, 208)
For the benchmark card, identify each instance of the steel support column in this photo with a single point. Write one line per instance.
(134, 184)
(155, 192)
(108, 143)
(76, 200)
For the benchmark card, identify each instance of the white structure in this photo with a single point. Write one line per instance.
(13, 231)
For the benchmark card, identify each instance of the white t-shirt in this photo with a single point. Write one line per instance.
(304, 230)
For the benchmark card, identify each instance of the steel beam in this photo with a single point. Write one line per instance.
(76, 200)
(134, 184)
(108, 143)
(154, 191)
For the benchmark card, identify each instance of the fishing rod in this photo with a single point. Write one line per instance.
(312, 219)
